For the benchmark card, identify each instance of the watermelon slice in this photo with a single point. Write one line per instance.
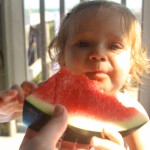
(89, 110)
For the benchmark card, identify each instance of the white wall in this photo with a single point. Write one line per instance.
(14, 42)
(144, 94)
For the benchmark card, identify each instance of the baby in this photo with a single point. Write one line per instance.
(102, 40)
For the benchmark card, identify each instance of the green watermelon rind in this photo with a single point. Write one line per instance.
(120, 126)
(45, 107)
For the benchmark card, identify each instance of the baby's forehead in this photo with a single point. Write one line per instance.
(94, 17)
(103, 14)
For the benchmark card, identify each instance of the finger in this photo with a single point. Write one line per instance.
(56, 126)
(11, 107)
(4, 118)
(20, 96)
(28, 87)
(9, 111)
(51, 132)
(16, 115)
(114, 136)
(104, 144)
(13, 116)
(8, 95)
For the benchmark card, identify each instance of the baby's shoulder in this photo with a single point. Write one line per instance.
(127, 96)
(130, 100)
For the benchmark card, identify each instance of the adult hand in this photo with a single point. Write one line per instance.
(11, 101)
(48, 137)
(112, 140)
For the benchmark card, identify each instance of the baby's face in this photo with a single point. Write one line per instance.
(98, 48)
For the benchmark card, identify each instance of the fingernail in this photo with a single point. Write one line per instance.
(58, 110)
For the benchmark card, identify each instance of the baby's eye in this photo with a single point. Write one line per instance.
(83, 44)
(115, 46)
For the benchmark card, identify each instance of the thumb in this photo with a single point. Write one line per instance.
(56, 126)
(51, 132)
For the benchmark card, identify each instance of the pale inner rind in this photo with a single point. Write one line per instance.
(94, 125)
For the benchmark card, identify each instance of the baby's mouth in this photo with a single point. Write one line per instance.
(96, 75)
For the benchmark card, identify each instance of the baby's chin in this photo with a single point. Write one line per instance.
(107, 89)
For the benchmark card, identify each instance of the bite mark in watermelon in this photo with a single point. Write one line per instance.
(89, 109)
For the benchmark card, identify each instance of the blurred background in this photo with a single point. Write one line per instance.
(26, 29)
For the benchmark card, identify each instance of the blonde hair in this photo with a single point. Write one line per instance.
(130, 25)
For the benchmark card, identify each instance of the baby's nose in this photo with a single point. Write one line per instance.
(98, 55)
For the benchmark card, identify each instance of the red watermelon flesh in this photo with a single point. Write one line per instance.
(88, 108)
